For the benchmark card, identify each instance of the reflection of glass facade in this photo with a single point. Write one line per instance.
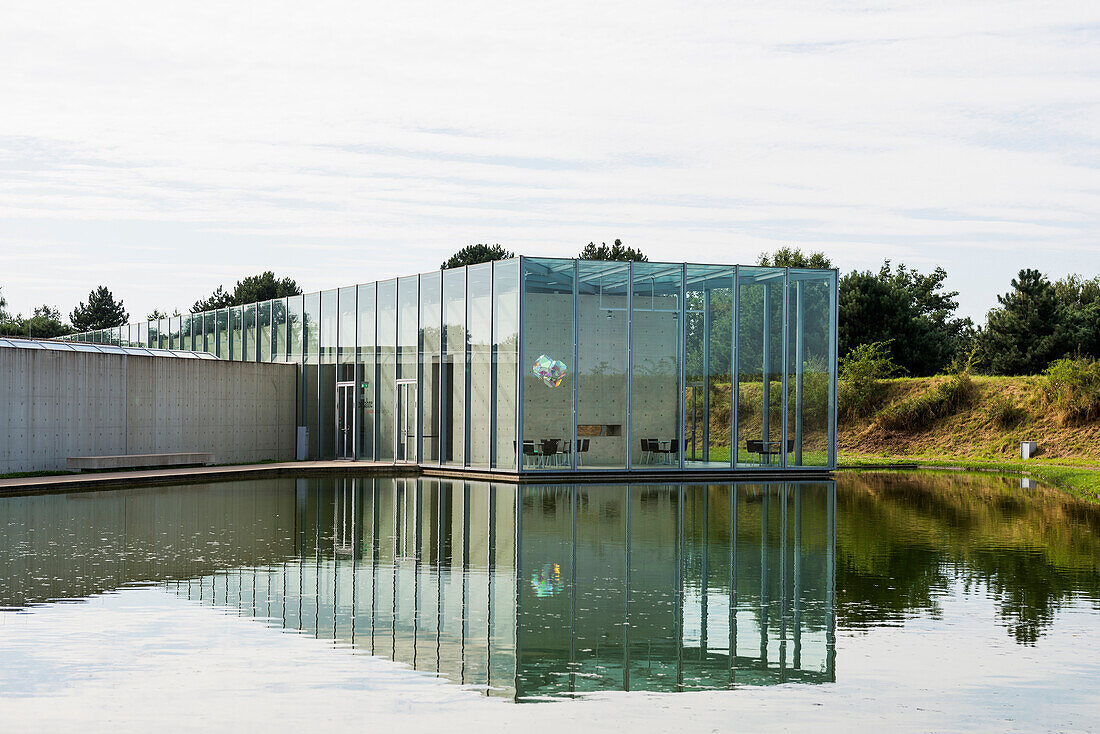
(551, 365)
(551, 590)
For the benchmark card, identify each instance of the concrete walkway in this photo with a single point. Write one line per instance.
(180, 475)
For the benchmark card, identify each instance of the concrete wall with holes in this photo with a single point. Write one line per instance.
(54, 405)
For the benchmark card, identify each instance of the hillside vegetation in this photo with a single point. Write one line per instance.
(970, 416)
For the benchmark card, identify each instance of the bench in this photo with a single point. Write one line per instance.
(138, 461)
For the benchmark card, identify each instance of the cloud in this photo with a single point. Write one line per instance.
(356, 141)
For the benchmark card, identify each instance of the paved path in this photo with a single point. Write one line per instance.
(179, 475)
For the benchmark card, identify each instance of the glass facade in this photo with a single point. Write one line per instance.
(550, 365)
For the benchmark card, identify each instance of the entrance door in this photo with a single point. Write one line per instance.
(405, 415)
(345, 420)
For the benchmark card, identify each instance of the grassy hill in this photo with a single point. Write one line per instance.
(998, 414)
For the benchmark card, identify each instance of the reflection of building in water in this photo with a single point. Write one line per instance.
(543, 590)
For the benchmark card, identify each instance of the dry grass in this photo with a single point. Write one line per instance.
(976, 429)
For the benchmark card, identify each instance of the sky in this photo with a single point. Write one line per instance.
(163, 150)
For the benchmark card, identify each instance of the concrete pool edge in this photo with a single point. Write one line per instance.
(188, 475)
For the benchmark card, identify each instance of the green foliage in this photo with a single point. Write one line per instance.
(909, 309)
(1072, 387)
(219, 299)
(862, 371)
(786, 257)
(44, 323)
(1005, 413)
(920, 411)
(263, 287)
(617, 251)
(253, 289)
(100, 312)
(1026, 332)
(475, 254)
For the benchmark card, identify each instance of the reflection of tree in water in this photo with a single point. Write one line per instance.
(902, 538)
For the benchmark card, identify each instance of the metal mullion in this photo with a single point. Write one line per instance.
(629, 365)
(706, 371)
(576, 354)
(835, 301)
(518, 443)
(492, 366)
(682, 336)
(786, 365)
(418, 441)
(735, 370)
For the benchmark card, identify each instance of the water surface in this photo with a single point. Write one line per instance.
(936, 600)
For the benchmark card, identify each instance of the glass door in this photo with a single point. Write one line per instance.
(345, 420)
(405, 415)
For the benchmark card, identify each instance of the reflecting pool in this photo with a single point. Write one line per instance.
(877, 587)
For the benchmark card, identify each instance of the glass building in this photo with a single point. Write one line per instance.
(544, 365)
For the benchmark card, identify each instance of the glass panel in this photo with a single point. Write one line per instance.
(387, 366)
(143, 333)
(311, 331)
(368, 371)
(162, 333)
(655, 319)
(329, 351)
(209, 332)
(236, 334)
(479, 302)
(223, 333)
(263, 330)
(248, 337)
(759, 365)
(431, 312)
(295, 313)
(346, 328)
(810, 377)
(453, 378)
(546, 364)
(708, 410)
(408, 315)
(278, 330)
(173, 333)
(602, 362)
(185, 333)
(505, 357)
(311, 334)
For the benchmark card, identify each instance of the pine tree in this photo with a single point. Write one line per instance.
(101, 312)
(475, 254)
(617, 251)
(1025, 333)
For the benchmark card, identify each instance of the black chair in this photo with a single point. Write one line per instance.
(550, 450)
(650, 447)
(529, 450)
(755, 446)
(582, 448)
(674, 450)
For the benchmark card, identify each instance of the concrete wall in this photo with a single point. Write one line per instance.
(54, 405)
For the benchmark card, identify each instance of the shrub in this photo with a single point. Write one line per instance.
(920, 411)
(1005, 413)
(1072, 388)
(862, 371)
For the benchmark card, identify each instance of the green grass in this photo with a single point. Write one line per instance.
(1080, 480)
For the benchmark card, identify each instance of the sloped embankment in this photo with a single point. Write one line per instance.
(995, 416)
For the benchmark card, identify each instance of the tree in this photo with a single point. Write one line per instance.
(218, 299)
(263, 287)
(101, 312)
(1079, 303)
(785, 257)
(907, 309)
(474, 254)
(46, 323)
(1027, 331)
(617, 251)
